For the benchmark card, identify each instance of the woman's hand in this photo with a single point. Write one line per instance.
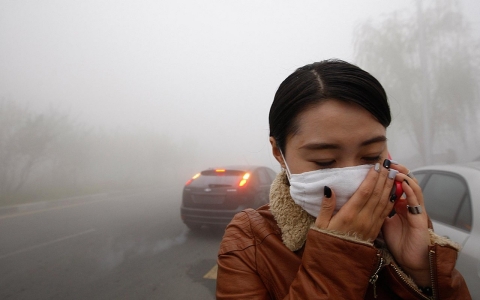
(406, 234)
(364, 214)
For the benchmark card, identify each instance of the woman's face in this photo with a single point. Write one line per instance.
(333, 134)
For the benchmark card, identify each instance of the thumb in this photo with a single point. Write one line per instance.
(326, 209)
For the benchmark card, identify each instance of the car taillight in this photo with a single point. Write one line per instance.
(244, 179)
(220, 170)
(192, 179)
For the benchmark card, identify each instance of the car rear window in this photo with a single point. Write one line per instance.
(214, 178)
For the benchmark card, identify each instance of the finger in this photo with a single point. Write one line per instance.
(411, 197)
(327, 208)
(388, 198)
(413, 184)
(399, 167)
(404, 170)
(382, 188)
(412, 201)
(362, 195)
(412, 177)
(384, 205)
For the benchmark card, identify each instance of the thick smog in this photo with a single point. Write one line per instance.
(119, 118)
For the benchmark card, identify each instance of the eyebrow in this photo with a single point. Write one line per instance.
(324, 146)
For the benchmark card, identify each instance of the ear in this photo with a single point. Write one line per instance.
(276, 152)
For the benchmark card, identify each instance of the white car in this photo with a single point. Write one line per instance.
(452, 200)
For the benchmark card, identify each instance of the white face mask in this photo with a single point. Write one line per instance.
(307, 189)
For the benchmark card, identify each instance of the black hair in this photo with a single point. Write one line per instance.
(317, 82)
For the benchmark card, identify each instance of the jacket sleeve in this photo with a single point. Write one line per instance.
(236, 276)
(334, 268)
(447, 282)
(331, 267)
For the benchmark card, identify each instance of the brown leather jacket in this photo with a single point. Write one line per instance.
(275, 252)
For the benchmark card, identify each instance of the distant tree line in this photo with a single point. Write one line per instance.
(429, 62)
(49, 155)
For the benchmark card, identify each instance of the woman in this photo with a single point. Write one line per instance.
(333, 228)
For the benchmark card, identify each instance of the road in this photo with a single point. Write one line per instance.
(123, 245)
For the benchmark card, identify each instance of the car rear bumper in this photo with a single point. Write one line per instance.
(207, 216)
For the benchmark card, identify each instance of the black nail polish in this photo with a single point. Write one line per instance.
(327, 192)
(386, 163)
(393, 194)
(392, 213)
(393, 197)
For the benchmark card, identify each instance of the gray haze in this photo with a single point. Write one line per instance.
(200, 74)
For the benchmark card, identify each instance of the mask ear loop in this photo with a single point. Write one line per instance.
(289, 175)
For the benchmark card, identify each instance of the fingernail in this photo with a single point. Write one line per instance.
(386, 163)
(392, 213)
(392, 173)
(377, 167)
(406, 181)
(327, 192)
(393, 197)
(394, 162)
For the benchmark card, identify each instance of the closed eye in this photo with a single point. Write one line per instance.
(325, 164)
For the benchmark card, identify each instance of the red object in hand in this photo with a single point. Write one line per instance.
(397, 190)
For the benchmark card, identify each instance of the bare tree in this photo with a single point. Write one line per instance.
(25, 141)
(428, 61)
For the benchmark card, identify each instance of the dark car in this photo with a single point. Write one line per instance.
(452, 200)
(214, 196)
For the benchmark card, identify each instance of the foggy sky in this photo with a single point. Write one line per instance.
(201, 72)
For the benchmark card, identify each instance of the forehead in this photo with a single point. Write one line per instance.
(336, 121)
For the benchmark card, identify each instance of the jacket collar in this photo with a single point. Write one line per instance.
(293, 221)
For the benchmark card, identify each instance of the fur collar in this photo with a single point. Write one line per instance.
(294, 221)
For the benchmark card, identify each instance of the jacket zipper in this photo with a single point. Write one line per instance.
(432, 276)
(374, 278)
(410, 285)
